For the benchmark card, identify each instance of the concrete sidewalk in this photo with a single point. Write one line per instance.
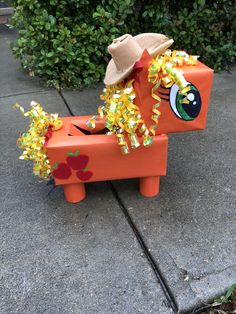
(116, 252)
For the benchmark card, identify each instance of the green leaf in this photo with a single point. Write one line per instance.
(48, 26)
(76, 153)
(65, 41)
(50, 54)
(201, 3)
(230, 291)
(54, 166)
(70, 154)
(221, 312)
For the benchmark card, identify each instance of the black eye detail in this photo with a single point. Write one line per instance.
(189, 111)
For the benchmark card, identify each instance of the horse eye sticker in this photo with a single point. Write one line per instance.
(189, 111)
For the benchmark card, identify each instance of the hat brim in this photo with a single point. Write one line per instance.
(155, 44)
(113, 76)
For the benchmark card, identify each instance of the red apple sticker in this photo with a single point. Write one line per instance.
(62, 171)
(84, 175)
(76, 161)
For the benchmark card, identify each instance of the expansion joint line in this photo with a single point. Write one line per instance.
(66, 103)
(168, 294)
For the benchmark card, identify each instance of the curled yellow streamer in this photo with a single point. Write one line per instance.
(123, 116)
(32, 142)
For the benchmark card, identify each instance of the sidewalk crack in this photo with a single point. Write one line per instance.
(167, 292)
(66, 103)
(23, 93)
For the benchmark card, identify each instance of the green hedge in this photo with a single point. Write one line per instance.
(65, 41)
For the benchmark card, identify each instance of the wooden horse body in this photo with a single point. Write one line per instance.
(80, 157)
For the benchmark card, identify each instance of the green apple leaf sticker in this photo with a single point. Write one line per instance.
(73, 154)
(54, 166)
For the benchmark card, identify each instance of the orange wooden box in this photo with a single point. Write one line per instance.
(100, 159)
(80, 158)
(175, 117)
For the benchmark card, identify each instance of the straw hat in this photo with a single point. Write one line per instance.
(126, 50)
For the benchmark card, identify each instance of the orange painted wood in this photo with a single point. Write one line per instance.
(199, 75)
(105, 159)
(74, 192)
(102, 154)
(149, 186)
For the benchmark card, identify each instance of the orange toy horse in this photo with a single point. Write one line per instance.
(79, 155)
